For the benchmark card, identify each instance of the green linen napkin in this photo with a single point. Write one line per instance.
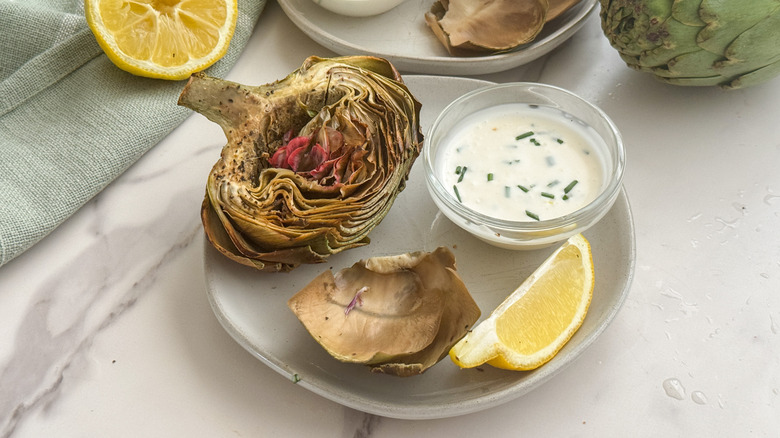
(70, 121)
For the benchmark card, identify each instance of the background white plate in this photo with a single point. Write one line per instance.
(252, 306)
(402, 37)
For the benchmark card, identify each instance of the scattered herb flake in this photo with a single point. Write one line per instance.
(457, 193)
(532, 215)
(550, 161)
(524, 135)
(570, 186)
(506, 191)
(457, 170)
(462, 173)
(523, 188)
(559, 140)
(548, 195)
(490, 177)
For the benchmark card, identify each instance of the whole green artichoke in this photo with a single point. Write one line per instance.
(313, 162)
(729, 43)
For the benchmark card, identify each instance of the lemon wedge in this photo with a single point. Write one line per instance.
(166, 39)
(538, 318)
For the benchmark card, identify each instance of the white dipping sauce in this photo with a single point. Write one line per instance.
(522, 162)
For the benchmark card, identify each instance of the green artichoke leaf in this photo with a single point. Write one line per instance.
(726, 20)
(687, 12)
(756, 47)
(313, 162)
(670, 48)
(758, 76)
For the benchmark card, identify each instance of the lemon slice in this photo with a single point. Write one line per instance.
(166, 39)
(538, 318)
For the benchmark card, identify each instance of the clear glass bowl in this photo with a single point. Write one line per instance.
(359, 8)
(524, 234)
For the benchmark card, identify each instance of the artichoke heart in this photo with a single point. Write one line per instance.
(399, 315)
(313, 162)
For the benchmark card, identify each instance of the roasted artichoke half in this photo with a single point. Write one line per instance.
(399, 314)
(312, 163)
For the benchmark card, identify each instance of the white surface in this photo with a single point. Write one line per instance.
(107, 331)
(253, 308)
(402, 36)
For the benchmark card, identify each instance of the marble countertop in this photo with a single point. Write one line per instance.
(107, 331)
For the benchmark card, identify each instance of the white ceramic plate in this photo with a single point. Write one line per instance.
(402, 37)
(252, 306)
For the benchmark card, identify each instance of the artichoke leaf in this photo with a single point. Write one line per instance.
(557, 7)
(397, 314)
(460, 314)
(757, 76)
(755, 48)
(467, 27)
(312, 163)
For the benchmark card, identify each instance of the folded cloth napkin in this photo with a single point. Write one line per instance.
(70, 121)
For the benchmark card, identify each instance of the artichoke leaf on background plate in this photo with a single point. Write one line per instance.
(312, 163)
(558, 7)
(467, 27)
(398, 314)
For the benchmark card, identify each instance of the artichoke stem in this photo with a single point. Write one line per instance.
(222, 102)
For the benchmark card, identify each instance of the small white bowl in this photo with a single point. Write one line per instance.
(358, 8)
(524, 234)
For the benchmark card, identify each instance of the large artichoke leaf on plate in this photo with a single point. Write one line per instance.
(399, 315)
(697, 42)
(313, 162)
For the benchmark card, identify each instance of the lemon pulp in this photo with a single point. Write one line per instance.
(168, 39)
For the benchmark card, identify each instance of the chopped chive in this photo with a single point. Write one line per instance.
(532, 215)
(553, 183)
(523, 188)
(559, 140)
(457, 170)
(490, 177)
(570, 186)
(506, 191)
(550, 161)
(524, 135)
(462, 172)
(457, 193)
(548, 195)
(565, 197)
(535, 142)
